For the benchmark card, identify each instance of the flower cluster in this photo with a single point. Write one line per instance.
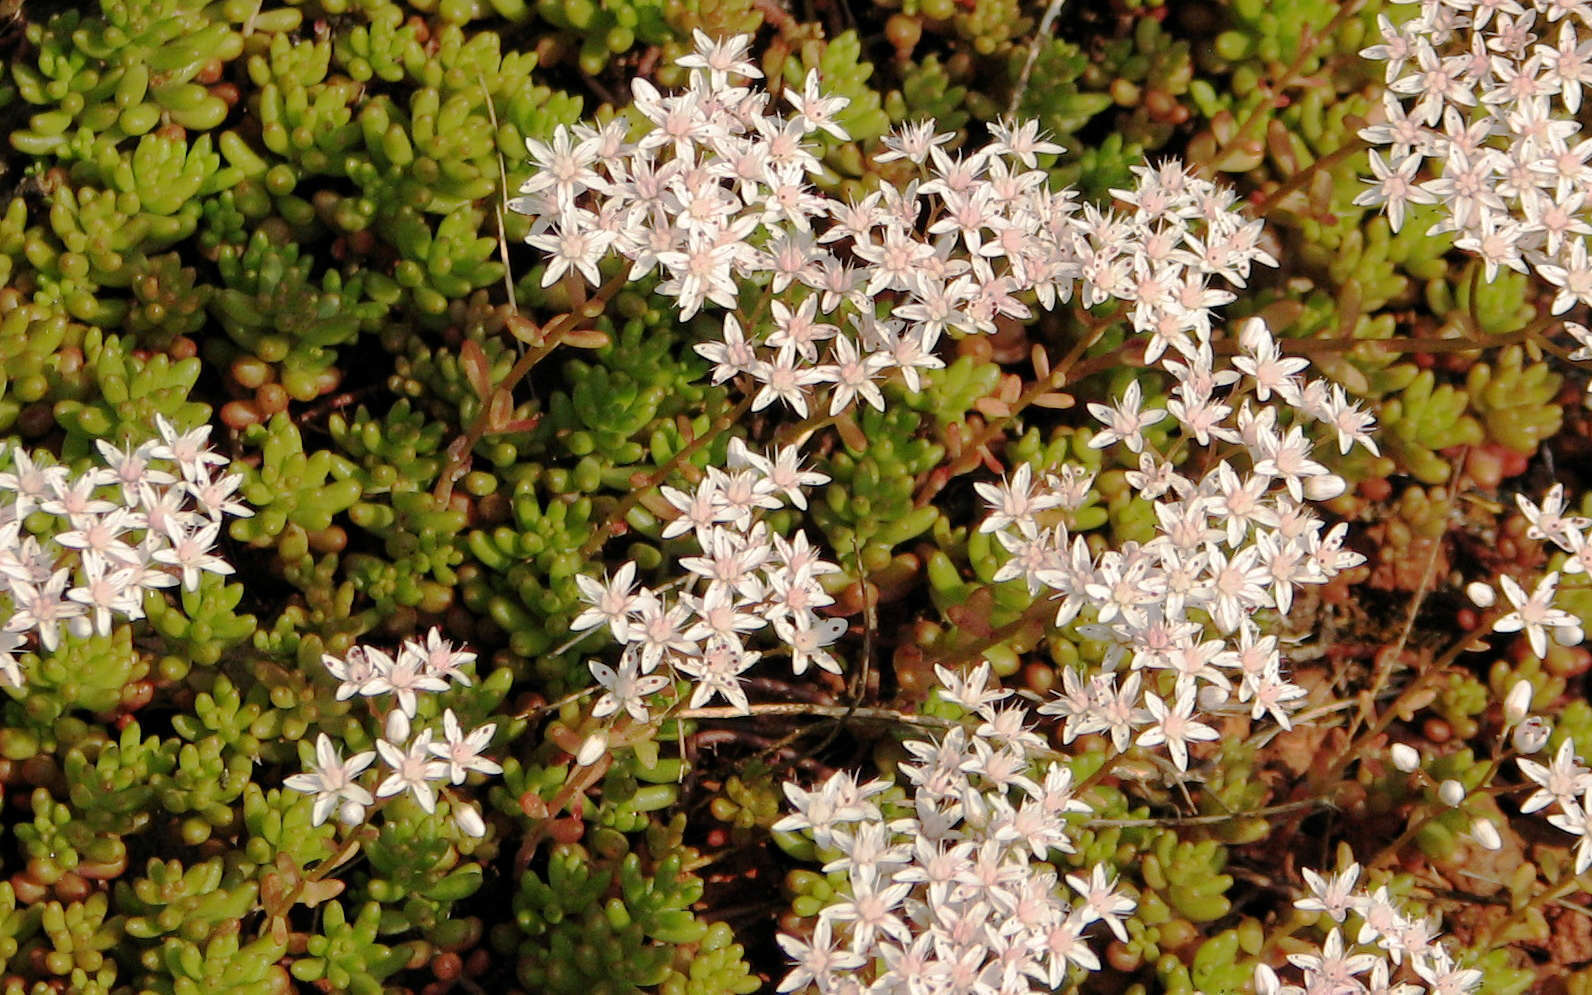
(746, 580)
(1563, 782)
(971, 907)
(951, 895)
(1384, 939)
(714, 198)
(415, 761)
(1180, 609)
(130, 527)
(1534, 614)
(1491, 94)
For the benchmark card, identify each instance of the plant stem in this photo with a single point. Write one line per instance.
(551, 335)
(1265, 204)
(658, 476)
(1308, 41)
(888, 716)
(1058, 378)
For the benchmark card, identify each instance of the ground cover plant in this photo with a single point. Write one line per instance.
(713, 496)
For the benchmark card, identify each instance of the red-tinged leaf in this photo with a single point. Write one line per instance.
(586, 338)
(1055, 401)
(1041, 360)
(499, 411)
(472, 359)
(525, 330)
(1281, 148)
(993, 407)
(519, 424)
(313, 893)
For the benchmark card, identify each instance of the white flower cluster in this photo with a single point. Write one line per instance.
(131, 526)
(1385, 939)
(1232, 543)
(1534, 614)
(715, 192)
(950, 899)
(1563, 782)
(750, 579)
(415, 762)
(713, 196)
(1491, 93)
(955, 896)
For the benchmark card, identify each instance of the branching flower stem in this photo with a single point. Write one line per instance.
(1263, 207)
(1060, 376)
(617, 516)
(551, 336)
(1308, 41)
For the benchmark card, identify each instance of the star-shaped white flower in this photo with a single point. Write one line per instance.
(332, 783)
(1536, 614)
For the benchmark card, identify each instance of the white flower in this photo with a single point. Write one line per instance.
(190, 552)
(808, 643)
(332, 783)
(412, 770)
(1333, 895)
(612, 602)
(1124, 421)
(1562, 780)
(626, 688)
(438, 658)
(1015, 501)
(462, 753)
(106, 590)
(1535, 614)
(721, 57)
(189, 450)
(402, 677)
(819, 961)
(815, 110)
(1176, 726)
(1548, 521)
(355, 672)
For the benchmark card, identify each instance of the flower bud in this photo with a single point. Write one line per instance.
(1253, 335)
(1451, 792)
(1518, 704)
(1485, 833)
(1481, 595)
(396, 730)
(1405, 758)
(351, 812)
(1324, 487)
(594, 747)
(1531, 735)
(468, 819)
(1569, 635)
